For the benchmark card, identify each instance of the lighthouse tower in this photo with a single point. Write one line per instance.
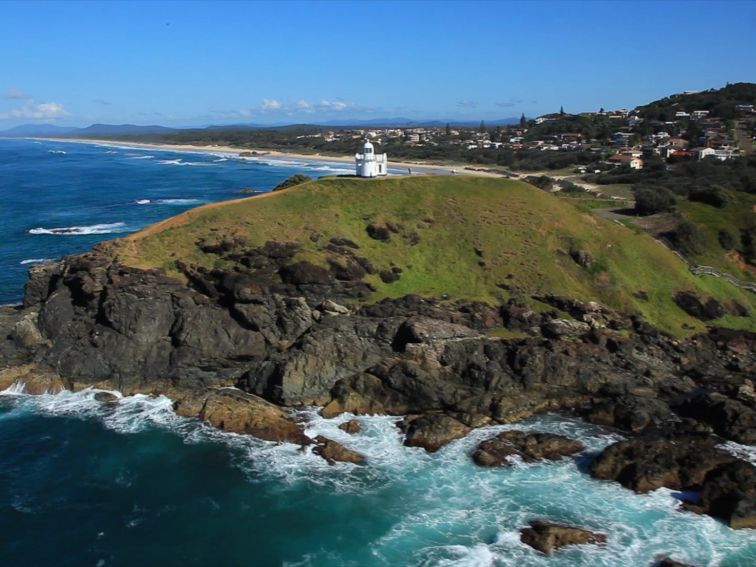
(370, 164)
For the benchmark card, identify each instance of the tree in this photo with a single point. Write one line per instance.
(561, 111)
(523, 121)
(482, 127)
(651, 200)
(448, 129)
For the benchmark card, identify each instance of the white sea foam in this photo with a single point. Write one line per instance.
(182, 162)
(35, 261)
(107, 228)
(56, 152)
(143, 201)
(445, 509)
(745, 452)
(179, 201)
(140, 157)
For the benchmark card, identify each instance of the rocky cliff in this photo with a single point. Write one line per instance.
(266, 329)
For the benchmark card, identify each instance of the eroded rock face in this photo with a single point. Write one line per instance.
(548, 536)
(291, 334)
(530, 447)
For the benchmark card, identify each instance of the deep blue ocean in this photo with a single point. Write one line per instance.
(132, 484)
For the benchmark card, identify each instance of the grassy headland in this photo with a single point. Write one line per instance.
(465, 238)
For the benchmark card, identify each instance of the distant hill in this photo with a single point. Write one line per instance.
(471, 238)
(720, 103)
(120, 129)
(25, 130)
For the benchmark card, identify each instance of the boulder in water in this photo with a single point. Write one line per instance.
(529, 447)
(548, 536)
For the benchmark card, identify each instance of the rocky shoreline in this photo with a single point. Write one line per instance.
(236, 346)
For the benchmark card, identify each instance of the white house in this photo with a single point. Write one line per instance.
(370, 164)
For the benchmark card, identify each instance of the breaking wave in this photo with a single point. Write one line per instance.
(108, 228)
(182, 162)
(56, 152)
(35, 261)
(439, 509)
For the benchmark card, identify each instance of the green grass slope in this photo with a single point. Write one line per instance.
(479, 238)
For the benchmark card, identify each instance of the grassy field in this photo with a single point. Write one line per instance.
(475, 236)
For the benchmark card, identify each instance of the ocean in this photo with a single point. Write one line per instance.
(132, 484)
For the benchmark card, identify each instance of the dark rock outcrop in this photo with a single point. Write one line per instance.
(530, 447)
(726, 485)
(548, 536)
(703, 309)
(235, 343)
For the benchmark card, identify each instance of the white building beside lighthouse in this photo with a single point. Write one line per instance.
(370, 164)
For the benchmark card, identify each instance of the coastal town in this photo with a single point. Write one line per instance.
(627, 138)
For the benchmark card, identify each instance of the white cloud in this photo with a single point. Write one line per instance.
(333, 104)
(270, 104)
(305, 106)
(41, 111)
(15, 93)
(467, 103)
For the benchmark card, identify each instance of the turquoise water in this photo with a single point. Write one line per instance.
(87, 484)
(134, 484)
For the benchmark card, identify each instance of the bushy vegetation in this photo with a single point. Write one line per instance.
(292, 180)
(720, 103)
(651, 200)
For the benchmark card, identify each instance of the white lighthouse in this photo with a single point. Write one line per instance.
(368, 164)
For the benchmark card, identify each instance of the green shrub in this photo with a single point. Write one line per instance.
(650, 200)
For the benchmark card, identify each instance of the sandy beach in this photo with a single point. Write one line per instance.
(415, 167)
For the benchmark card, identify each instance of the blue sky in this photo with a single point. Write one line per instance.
(195, 63)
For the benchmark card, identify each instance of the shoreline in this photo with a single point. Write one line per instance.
(425, 168)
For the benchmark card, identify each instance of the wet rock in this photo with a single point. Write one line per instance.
(433, 431)
(726, 485)
(529, 447)
(333, 452)
(729, 492)
(238, 412)
(548, 536)
(644, 465)
(106, 397)
(669, 562)
(352, 426)
(35, 378)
